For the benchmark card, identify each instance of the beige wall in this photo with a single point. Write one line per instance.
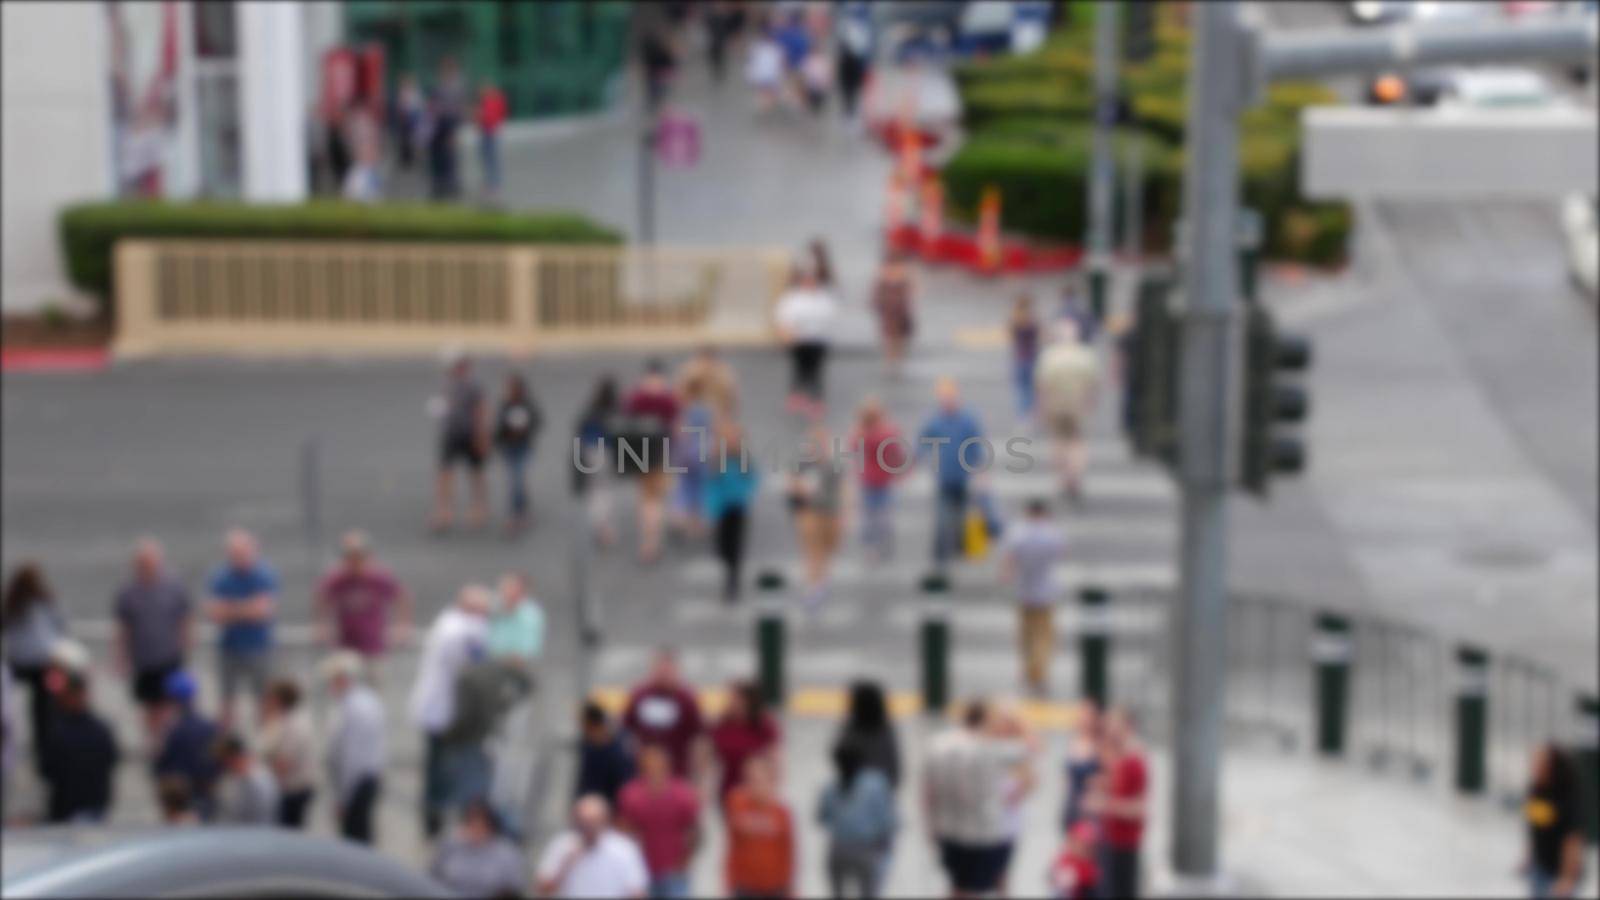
(57, 137)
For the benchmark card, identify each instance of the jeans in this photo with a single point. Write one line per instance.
(489, 155)
(517, 459)
(1119, 869)
(856, 871)
(1022, 373)
(877, 527)
(1541, 884)
(672, 886)
(947, 523)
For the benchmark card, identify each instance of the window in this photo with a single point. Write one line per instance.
(214, 34)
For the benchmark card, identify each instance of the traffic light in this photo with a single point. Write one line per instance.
(1138, 30)
(1271, 400)
(1150, 411)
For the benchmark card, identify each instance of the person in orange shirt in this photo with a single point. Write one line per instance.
(761, 844)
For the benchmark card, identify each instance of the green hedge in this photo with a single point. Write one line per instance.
(90, 231)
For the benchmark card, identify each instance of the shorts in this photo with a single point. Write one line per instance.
(454, 448)
(974, 868)
(1065, 426)
(250, 669)
(819, 528)
(150, 683)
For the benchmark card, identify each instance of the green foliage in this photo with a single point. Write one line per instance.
(90, 231)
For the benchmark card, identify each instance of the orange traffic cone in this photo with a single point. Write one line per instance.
(932, 215)
(989, 230)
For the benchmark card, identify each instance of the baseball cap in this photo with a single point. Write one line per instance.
(179, 686)
(70, 655)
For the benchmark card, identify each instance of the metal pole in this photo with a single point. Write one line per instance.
(1133, 200)
(1314, 53)
(1102, 175)
(1211, 290)
(311, 503)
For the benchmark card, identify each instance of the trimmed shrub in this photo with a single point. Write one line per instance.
(89, 231)
(990, 101)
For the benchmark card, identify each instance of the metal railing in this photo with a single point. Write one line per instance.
(249, 296)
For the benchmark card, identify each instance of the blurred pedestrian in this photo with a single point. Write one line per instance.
(288, 748)
(1025, 340)
(1066, 381)
(176, 801)
(761, 836)
(448, 109)
(867, 727)
(594, 456)
(858, 811)
(652, 410)
(730, 489)
(463, 439)
(795, 41)
(894, 302)
(950, 430)
(883, 457)
(478, 859)
(605, 759)
(691, 449)
(1076, 309)
(8, 725)
(662, 812)
(821, 263)
(1552, 810)
(153, 627)
(363, 181)
(516, 629)
(723, 18)
(455, 640)
(764, 69)
(816, 78)
(188, 743)
(1083, 762)
(244, 603)
(592, 859)
(246, 793)
(1074, 875)
(80, 756)
(817, 497)
(517, 425)
(357, 748)
(1029, 554)
(970, 779)
(662, 710)
(853, 51)
(720, 382)
(659, 61)
(491, 115)
(408, 119)
(744, 730)
(360, 603)
(1120, 804)
(32, 623)
(485, 693)
(805, 316)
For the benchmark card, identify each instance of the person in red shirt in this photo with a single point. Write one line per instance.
(1118, 802)
(358, 602)
(884, 455)
(491, 115)
(662, 811)
(744, 730)
(661, 710)
(1074, 876)
(652, 410)
(761, 841)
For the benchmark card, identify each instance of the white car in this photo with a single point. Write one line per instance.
(1579, 214)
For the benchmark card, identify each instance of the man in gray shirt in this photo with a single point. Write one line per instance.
(153, 627)
(247, 794)
(1029, 553)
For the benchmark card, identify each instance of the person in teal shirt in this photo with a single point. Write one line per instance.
(730, 488)
(516, 632)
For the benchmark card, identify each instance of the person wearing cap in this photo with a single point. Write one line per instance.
(187, 742)
(244, 602)
(478, 860)
(80, 755)
(360, 604)
(357, 745)
(456, 639)
(154, 618)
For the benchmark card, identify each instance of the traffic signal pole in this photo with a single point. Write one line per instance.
(1107, 40)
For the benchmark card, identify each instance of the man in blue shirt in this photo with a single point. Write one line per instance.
(942, 438)
(243, 604)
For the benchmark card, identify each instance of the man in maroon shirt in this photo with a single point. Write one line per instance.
(662, 811)
(357, 599)
(652, 410)
(1120, 804)
(664, 712)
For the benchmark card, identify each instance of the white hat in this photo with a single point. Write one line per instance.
(345, 663)
(70, 655)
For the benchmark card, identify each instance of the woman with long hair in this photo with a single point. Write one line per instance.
(867, 726)
(745, 730)
(858, 811)
(591, 482)
(32, 623)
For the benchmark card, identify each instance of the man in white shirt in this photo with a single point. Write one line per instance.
(973, 780)
(457, 638)
(592, 859)
(1065, 379)
(357, 749)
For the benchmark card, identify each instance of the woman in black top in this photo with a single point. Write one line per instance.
(867, 728)
(1555, 829)
(516, 426)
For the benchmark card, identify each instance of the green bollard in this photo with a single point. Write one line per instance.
(934, 640)
(1472, 719)
(1330, 655)
(1099, 287)
(1095, 642)
(770, 638)
(1586, 748)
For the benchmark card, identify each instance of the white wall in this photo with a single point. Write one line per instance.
(57, 137)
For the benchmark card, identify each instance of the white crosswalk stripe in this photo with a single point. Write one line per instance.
(986, 619)
(850, 572)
